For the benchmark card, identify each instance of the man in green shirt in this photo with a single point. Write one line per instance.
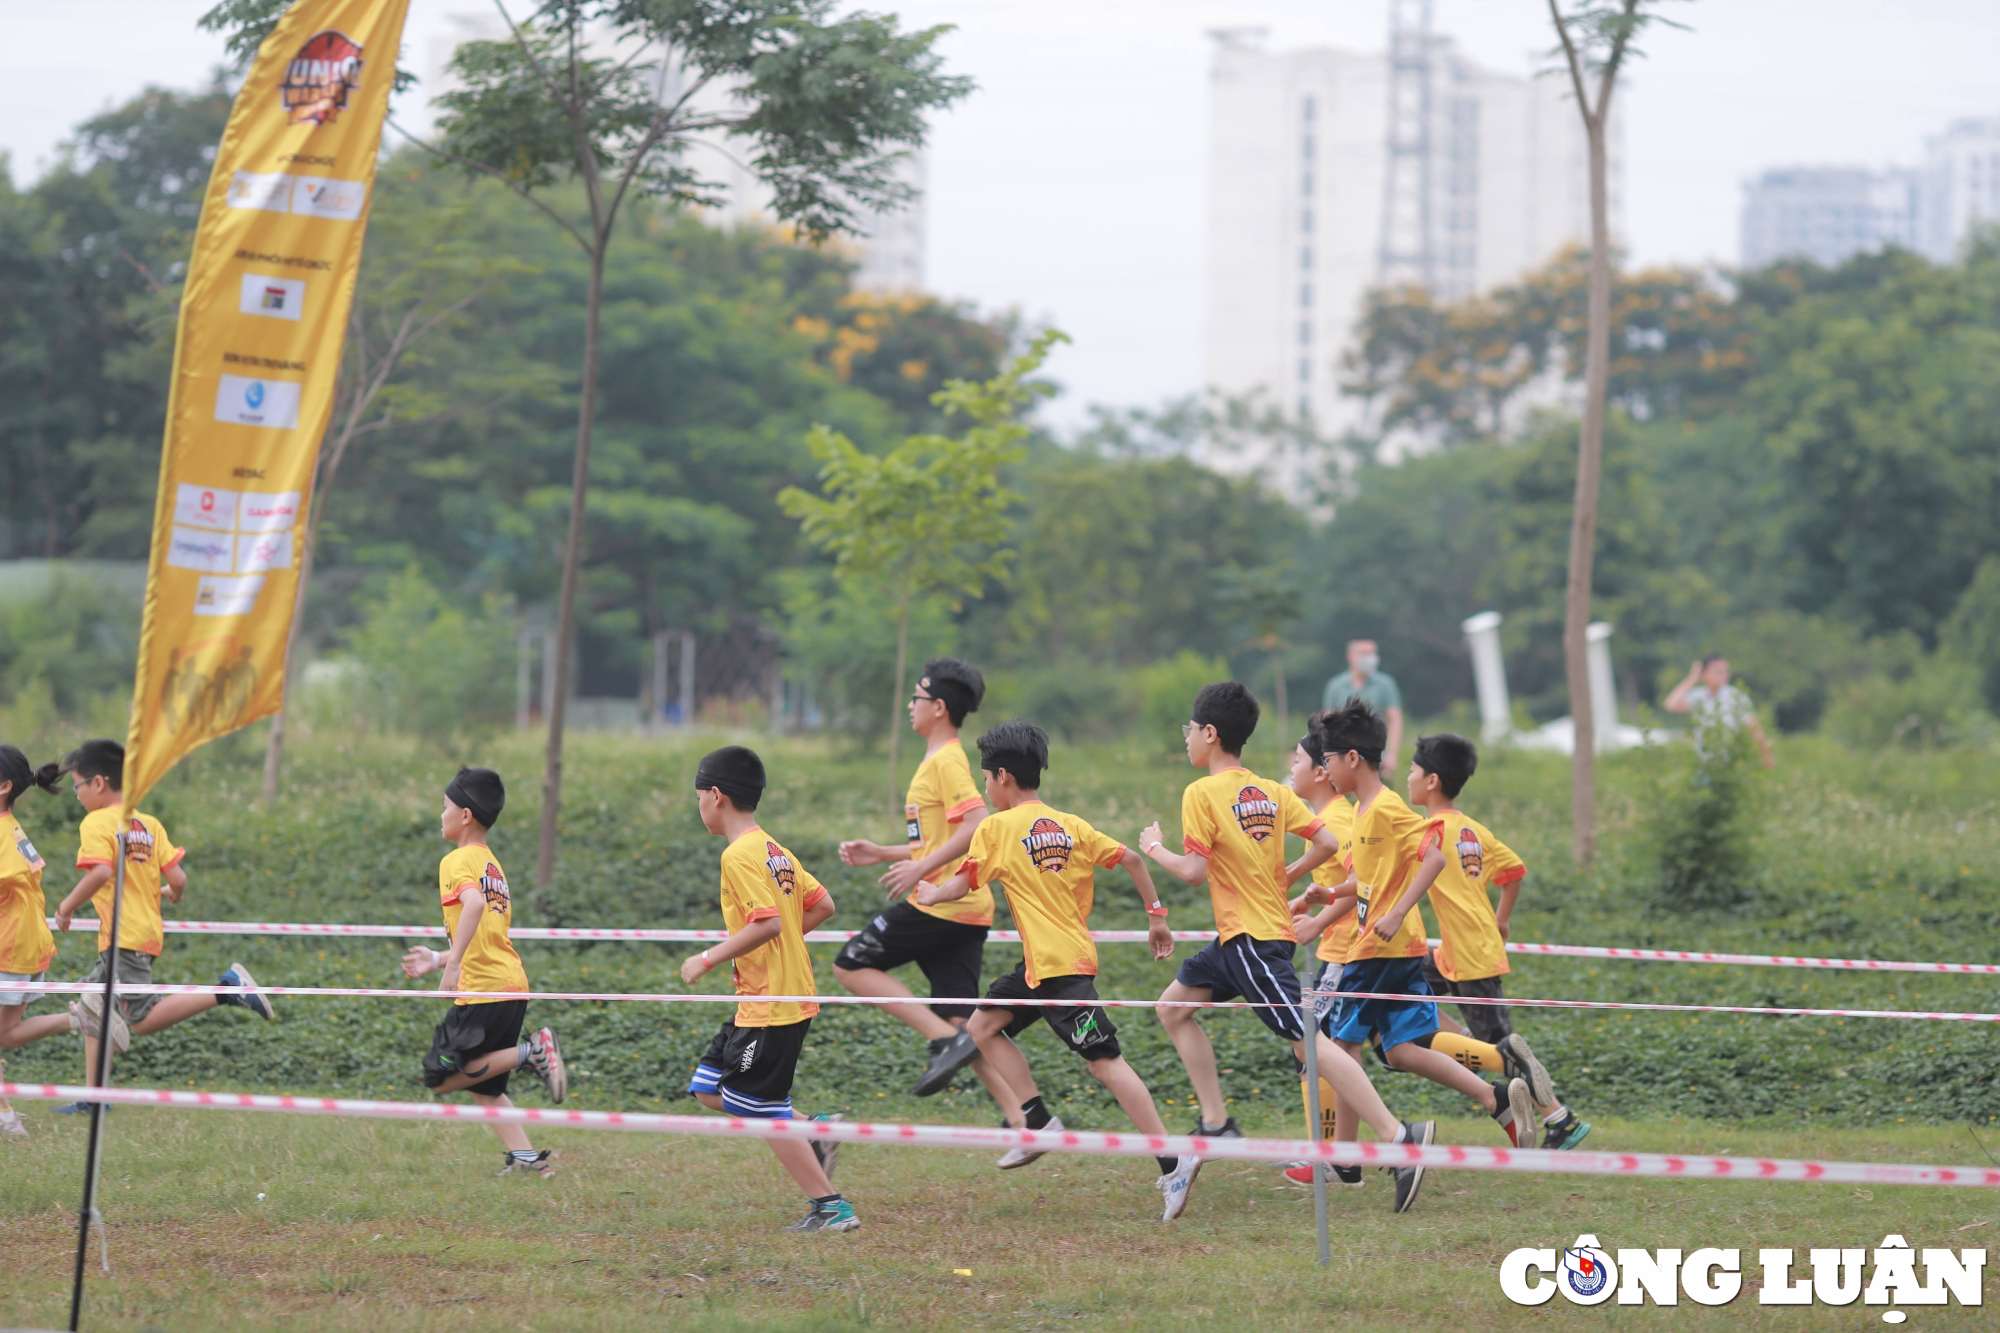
(1365, 680)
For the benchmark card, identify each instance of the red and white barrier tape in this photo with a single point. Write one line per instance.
(676, 936)
(661, 997)
(1435, 1156)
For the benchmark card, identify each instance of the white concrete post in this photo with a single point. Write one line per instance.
(687, 678)
(1603, 697)
(1489, 675)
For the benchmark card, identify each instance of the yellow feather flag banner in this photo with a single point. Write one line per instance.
(256, 356)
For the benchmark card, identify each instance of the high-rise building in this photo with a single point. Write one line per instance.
(1826, 214)
(1960, 185)
(1300, 149)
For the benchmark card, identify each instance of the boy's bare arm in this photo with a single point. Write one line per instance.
(1319, 895)
(1320, 848)
(819, 913)
(1158, 937)
(173, 882)
(930, 895)
(1427, 873)
(904, 878)
(1509, 894)
(1188, 867)
(472, 906)
(94, 879)
(754, 935)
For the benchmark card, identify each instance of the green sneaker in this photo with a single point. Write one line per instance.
(1561, 1138)
(835, 1216)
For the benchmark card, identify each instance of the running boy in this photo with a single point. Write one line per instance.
(1047, 861)
(946, 941)
(26, 947)
(478, 1046)
(1471, 958)
(1233, 825)
(769, 902)
(1395, 860)
(153, 872)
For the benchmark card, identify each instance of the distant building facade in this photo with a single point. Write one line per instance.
(1826, 214)
(1960, 185)
(1299, 162)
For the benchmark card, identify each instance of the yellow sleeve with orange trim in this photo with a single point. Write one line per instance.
(1197, 822)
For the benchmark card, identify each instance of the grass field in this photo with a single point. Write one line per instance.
(1881, 856)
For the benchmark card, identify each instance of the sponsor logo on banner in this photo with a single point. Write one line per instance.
(326, 197)
(316, 83)
(273, 298)
(308, 196)
(208, 552)
(261, 511)
(227, 597)
(208, 687)
(244, 401)
(205, 507)
(1586, 1274)
(258, 552)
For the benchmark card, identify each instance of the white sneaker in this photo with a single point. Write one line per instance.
(83, 1019)
(11, 1125)
(1175, 1185)
(1022, 1156)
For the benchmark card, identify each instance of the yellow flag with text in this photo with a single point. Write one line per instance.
(257, 353)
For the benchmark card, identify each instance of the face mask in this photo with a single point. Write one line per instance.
(1368, 662)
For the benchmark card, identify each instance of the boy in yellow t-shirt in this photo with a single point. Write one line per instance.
(1047, 861)
(769, 902)
(26, 947)
(1471, 957)
(479, 1045)
(1233, 826)
(153, 872)
(946, 941)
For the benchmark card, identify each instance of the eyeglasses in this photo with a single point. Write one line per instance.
(1189, 728)
(916, 698)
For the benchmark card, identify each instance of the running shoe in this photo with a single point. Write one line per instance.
(545, 1058)
(1563, 1136)
(1513, 1101)
(83, 1018)
(1229, 1129)
(1302, 1174)
(1175, 1184)
(541, 1161)
(77, 1108)
(828, 1150)
(948, 1056)
(12, 1126)
(835, 1216)
(1409, 1179)
(252, 999)
(1517, 1061)
(1022, 1156)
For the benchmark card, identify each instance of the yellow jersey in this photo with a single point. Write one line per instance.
(1388, 848)
(1338, 938)
(148, 855)
(1239, 822)
(941, 795)
(1046, 862)
(1470, 946)
(761, 880)
(26, 947)
(490, 963)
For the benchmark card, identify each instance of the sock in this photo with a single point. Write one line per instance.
(828, 1202)
(1478, 1056)
(522, 1052)
(1402, 1134)
(1036, 1114)
(1557, 1118)
(1326, 1106)
(1167, 1164)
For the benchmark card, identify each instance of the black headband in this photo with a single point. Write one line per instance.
(1317, 756)
(458, 796)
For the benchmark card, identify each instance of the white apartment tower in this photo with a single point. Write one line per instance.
(1299, 156)
(1827, 214)
(1960, 185)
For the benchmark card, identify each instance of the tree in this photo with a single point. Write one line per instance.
(610, 93)
(923, 519)
(1596, 38)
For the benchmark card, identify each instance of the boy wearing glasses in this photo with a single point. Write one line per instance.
(946, 940)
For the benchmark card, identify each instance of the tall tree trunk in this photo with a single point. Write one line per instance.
(545, 852)
(902, 662)
(1583, 523)
(1284, 711)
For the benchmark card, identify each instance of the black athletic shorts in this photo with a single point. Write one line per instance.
(752, 1069)
(1489, 1023)
(1251, 969)
(950, 954)
(1087, 1030)
(470, 1031)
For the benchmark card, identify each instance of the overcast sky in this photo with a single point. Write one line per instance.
(1070, 185)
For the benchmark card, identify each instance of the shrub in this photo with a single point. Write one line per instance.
(422, 662)
(1937, 705)
(1699, 835)
(1167, 690)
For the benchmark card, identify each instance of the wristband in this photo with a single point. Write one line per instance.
(707, 963)
(1156, 908)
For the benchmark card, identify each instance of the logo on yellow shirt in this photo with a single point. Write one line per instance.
(1049, 845)
(1471, 856)
(138, 844)
(780, 867)
(499, 898)
(1256, 812)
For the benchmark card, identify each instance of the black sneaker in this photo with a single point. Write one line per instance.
(1347, 1175)
(540, 1161)
(1229, 1130)
(835, 1216)
(1566, 1134)
(1517, 1061)
(948, 1056)
(1511, 1104)
(1410, 1179)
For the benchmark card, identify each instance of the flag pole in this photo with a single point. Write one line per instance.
(1319, 1169)
(93, 1154)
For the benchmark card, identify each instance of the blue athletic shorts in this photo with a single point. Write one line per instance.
(1251, 969)
(1395, 1021)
